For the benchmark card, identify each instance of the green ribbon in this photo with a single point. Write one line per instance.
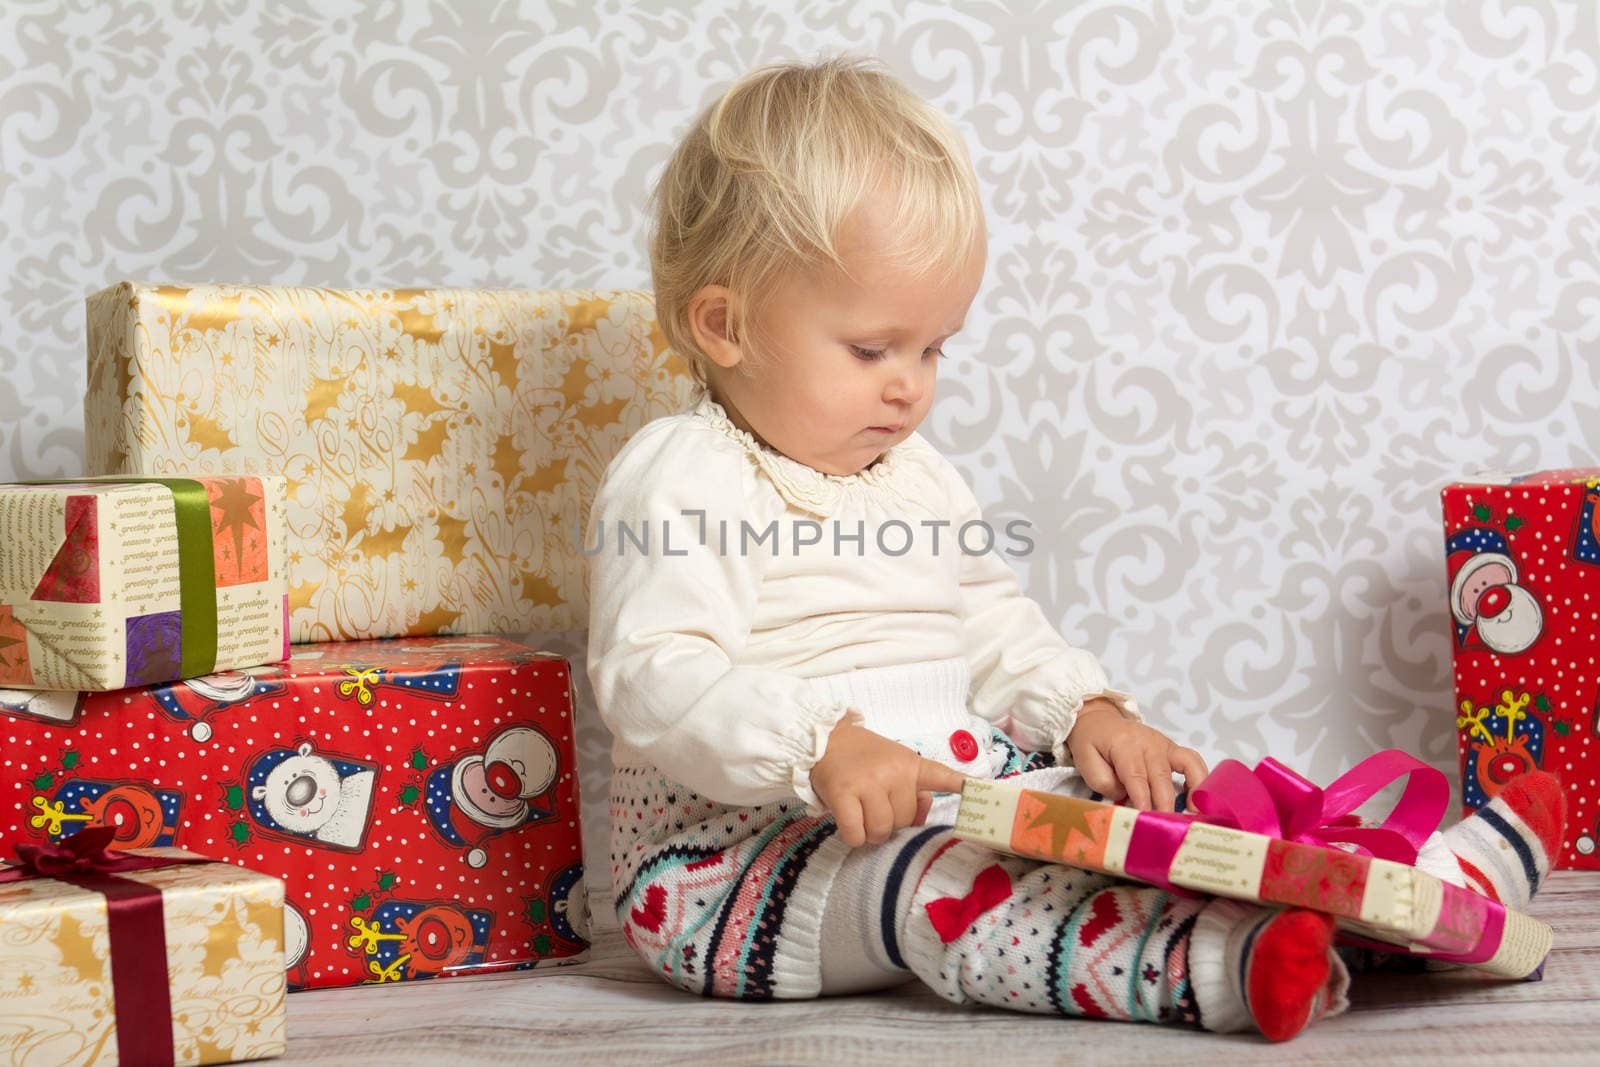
(197, 567)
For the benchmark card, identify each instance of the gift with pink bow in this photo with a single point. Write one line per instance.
(1270, 835)
(147, 956)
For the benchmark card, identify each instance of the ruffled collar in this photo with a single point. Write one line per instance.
(803, 487)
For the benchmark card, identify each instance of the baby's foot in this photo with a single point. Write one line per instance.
(1275, 969)
(1506, 847)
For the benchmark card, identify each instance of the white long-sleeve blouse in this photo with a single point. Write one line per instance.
(726, 577)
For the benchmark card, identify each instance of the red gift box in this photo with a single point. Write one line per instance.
(1524, 584)
(419, 797)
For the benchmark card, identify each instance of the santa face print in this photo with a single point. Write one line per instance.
(1485, 578)
(1486, 598)
(491, 796)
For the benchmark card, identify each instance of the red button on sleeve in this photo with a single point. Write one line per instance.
(963, 746)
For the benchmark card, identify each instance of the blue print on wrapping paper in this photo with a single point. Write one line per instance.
(413, 940)
(194, 700)
(141, 815)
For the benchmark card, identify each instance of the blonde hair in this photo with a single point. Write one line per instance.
(766, 176)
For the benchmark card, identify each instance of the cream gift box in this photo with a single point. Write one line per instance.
(71, 997)
(1377, 901)
(108, 584)
(441, 445)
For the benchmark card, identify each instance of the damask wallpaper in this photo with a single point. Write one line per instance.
(1263, 275)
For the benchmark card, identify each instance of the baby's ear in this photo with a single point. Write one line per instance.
(714, 322)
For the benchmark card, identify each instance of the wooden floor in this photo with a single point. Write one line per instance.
(610, 1010)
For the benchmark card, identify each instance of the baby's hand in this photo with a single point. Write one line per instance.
(1119, 758)
(874, 786)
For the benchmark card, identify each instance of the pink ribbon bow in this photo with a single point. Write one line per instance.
(1274, 801)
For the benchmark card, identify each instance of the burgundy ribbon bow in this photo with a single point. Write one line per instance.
(1274, 801)
(137, 928)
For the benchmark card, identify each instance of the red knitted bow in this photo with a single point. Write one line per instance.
(952, 915)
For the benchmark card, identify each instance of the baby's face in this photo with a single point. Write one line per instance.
(848, 361)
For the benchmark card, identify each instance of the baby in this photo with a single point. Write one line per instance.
(803, 637)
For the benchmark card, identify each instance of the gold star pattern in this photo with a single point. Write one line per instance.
(452, 538)
(435, 621)
(386, 543)
(355, 511)
(300, 595)
(322, 396)
(1057, 819)
(585, 314)
(77, 950)
(507, 460)
(216, 313)
(414, 323)
(419, 400)
(430, 442)
(503, 361)
(575, 382)
(207, 432)
(548, 477)
(222, 944)
(212, 1051)
(267, 918)
(537, 589)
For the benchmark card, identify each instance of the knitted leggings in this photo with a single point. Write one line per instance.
(787, 910)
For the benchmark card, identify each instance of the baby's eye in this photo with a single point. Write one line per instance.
(868, 354)
(934, 352)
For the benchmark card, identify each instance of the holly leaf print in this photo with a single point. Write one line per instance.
(409, 795)
(386, 881)
(418, 760)
(69, 761)
(1514, 523)
(44, 781)
(536, 911)
(361, 903)
(1482, 513)
(240, 833)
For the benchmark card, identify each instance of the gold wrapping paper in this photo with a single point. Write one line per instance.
(91, 588)
(224, 931)
(442, 446)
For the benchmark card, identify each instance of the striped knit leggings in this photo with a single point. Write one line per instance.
(764, 903)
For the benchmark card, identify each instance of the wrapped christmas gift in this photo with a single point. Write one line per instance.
(442, 446)
(1523, 572)
(1271, 836)
(155, 956)
(106, 584)
(418, 797)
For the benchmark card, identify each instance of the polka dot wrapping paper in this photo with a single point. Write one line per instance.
(1523, 570)
(419, 797)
